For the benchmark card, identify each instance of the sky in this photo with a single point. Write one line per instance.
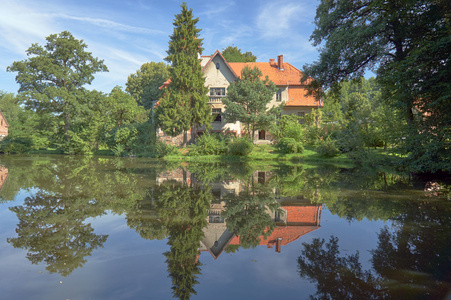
(129, 33)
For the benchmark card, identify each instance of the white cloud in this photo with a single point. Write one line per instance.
(109, 24)
(19, 25)
(280, 19)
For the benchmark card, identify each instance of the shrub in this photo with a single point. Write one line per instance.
(122, 139)
(208, 144)
(16, 145)
(162, 149)
(327, 148)
(241, 147)
(289, 145)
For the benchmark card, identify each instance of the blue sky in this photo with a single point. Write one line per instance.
(128, 33)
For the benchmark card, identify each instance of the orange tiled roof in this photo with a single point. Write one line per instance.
(297, 97)
(288, 76)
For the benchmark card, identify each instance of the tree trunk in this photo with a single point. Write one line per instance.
(185, 138)
(66, 127)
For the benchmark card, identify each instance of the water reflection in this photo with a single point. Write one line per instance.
(211, 209)
(53, 231)
(412, 259)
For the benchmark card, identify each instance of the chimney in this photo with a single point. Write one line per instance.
(271, 62)
(280, 62)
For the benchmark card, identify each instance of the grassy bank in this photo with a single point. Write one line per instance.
(269, 153)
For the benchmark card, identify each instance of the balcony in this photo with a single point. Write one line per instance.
(215, 99)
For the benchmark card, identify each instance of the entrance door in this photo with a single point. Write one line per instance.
(261, 135)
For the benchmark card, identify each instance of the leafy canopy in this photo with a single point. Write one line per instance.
(407, 43)
(247, 100)
(233, 54)
(53, 77)
(144, 85)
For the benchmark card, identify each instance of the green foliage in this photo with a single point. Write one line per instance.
(327, 148)
(233, 54)
(241, 146)
(52, 79)
(208, 144)
(407, 43)
(247, 100)
(184, 103)
(15, 145)
(122, 139)
(162, 149)
(288, 126)
(144, 85)
(247, 215)
(289, 145)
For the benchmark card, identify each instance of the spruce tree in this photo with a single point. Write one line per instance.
(184, 104)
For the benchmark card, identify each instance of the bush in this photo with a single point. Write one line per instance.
(122, 139)
(16, 145)
(162, 149)
(289, 145)
(327, 148)
(240, 147)
(208, 144)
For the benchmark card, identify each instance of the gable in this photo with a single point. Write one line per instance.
(218, 72)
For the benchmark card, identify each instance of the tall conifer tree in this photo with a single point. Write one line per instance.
(184, 104)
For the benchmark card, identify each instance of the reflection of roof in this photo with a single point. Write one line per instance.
(286, 234)
(300, 220)
(3, 176)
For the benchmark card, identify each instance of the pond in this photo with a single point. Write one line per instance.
(123, 228)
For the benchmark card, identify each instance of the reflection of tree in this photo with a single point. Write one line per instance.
(336, 277)
(247, 215)
(417, 251)
(411, 262)
(72, 189)
(52, 230)
(183, 211)
(216, 172)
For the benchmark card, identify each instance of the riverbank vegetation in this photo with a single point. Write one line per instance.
(400, 121)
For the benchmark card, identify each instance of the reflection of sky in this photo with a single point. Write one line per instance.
(130, 267)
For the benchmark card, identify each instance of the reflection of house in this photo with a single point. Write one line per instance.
(290, 92)
(180, 175)
(294, 222)
(3, 176)
(3, 126)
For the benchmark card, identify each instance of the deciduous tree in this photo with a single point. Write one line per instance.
(247, 100)
(144, 85)
(407, 43)
(53, 77)
(233, 54)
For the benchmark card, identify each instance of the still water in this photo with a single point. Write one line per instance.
(120, 228)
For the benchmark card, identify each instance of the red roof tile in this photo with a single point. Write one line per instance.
(288, 76)
(297, 97)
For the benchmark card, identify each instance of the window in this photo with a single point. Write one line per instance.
(217, 91)
(302, 115)
(217, 113)
(279, 95)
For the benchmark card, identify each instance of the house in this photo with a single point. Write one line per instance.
(291, 93)
(3, 126)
